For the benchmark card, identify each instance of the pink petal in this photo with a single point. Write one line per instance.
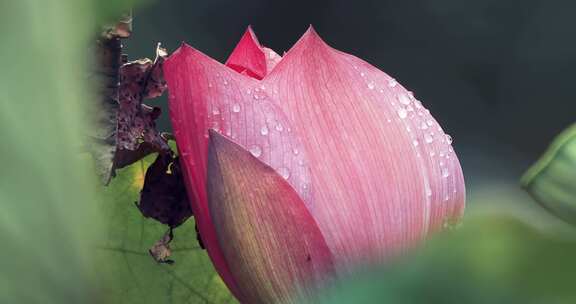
(273, 246)
(380, 184)
(205, 94)
(248, 56)
(272, 59)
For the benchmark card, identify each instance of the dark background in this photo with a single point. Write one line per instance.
(498, 75)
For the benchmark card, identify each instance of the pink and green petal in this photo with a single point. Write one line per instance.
(274, 248)
(205, 94)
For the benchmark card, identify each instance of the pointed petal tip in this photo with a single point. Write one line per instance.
(312, 35)
(180, 51)
(252, 35)
(248, 56)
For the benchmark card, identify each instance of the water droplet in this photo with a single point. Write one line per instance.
(428, 138)
(264, 130)
(432, 153)
(225, 82)
(415, 143)
(392, 83)
(216, 112)
(402, 113)
(248, 91)
(236, 108)
(449, 139)
(388, 120)
(417, 104)
(447, 198)
(284, 172)
(404, 99)
(279, 127)
(256, 151)
(428, 190)
(256, 96)
(209, 85)
(445, 172)
(362, 74)
(450, 149)
(429, 122)
(423, 126)
(371, 85)
(262, 87)
(295, 151)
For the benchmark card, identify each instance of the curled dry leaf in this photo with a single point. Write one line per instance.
(163, 196)
(161, 249)
(124, 128)
(136, 131)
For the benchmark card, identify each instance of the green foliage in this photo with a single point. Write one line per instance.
(48, 217)
(52, 246)
(490, 260)
(132, 275)
(552, 180)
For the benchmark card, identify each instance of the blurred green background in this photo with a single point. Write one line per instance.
(496, 74)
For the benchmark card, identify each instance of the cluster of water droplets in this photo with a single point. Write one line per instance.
(271, 142)
(427, 137)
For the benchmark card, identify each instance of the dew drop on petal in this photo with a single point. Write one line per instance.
(428, 190)
(236, 108)
(415, 143)
(256, 151)
(392, 83)
(371, 85)
(216, 111)
(404, 99)
(279, 127)
(295, 151)
(417, 104)
(428, 138)
(448, 139)
(423, 125)
(445, 172)
(284, 172)
(402, 113)
(429, 122)
(264, 130)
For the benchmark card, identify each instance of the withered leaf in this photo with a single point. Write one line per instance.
(136, 121)
(164, 196)
(161, 249)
